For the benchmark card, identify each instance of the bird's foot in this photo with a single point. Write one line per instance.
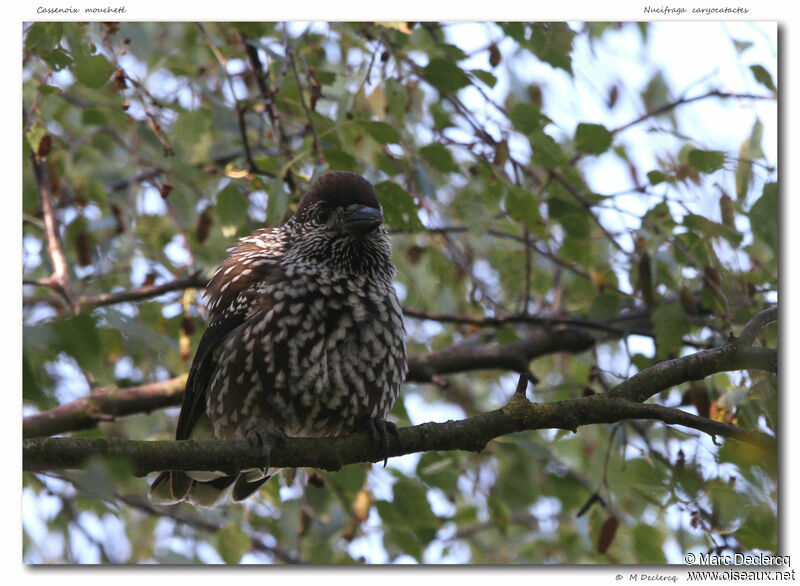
(261, 438)
(380, 433)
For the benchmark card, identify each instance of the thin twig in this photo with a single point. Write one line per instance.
(685, 100)
(194, 280)
(268, 96)
(60, 278)
(315, 138)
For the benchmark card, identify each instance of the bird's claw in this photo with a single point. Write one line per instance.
(380, 433)
(261, 439)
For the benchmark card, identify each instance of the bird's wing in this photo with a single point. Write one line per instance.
(234, 293)
(203, 366)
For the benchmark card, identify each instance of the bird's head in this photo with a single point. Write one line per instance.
(339, 225)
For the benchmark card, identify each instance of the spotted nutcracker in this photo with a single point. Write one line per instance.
(305, 337)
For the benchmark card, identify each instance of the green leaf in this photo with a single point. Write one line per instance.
(657, 93)
(439, 158)
(340, 160)
(191, 135)
(93, 116)
(655, 177)
(382, 132)
(270, 164)
(573, 217)
(326, 77)
(32, 391)
(515, 30)
(708, 228)
(35, 134)
(57, 59)
(403, 541)
(660, 217)
(231, 208)
(552, 43)
(764, 217)
(445, 76)
(77, 336)
(759, 531)
(605, 306)
(763, 77)
(43, 36)
(527, 118)
(349, 480)
(647, 542)
(438, 469)
(92, 71)
(521, 204)
(640, 361)
(670, 324)
(748, 152)
(643, 475)
(500, 513)
(398, 205)
(546, 151)
(486, 77)
(411, 504)
(388, 514)
(232, 543)
(706, 161)
(252, 29)
(592, 138)
(397, 98)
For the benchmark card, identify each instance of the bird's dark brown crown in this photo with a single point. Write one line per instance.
(338, 189)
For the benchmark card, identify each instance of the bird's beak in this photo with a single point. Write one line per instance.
(363, 220)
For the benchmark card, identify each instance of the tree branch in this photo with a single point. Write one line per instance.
(684, 100)
(87, 412)
(735, 355)
(514, 356)
(315, 139)
(60, 277)
(268, 96)
(621, 403)
(756, 324)
(195, 280)
(332, 453)
(177, 514)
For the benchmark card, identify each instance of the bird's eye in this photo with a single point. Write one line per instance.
(321, 216)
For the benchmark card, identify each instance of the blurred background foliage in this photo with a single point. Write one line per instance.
(525, 169)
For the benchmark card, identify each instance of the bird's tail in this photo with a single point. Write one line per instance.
(174, 486)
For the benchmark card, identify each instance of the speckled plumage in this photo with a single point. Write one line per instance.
(305, 335)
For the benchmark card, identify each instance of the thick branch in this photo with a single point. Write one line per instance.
(756, 324)
(87, 412)
(669, 373)
(331, 453)
(735, 355)
(514, 356)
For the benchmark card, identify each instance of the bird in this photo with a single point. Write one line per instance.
(305, 338)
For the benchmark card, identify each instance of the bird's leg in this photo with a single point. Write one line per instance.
(380, 433)
(261, 437)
